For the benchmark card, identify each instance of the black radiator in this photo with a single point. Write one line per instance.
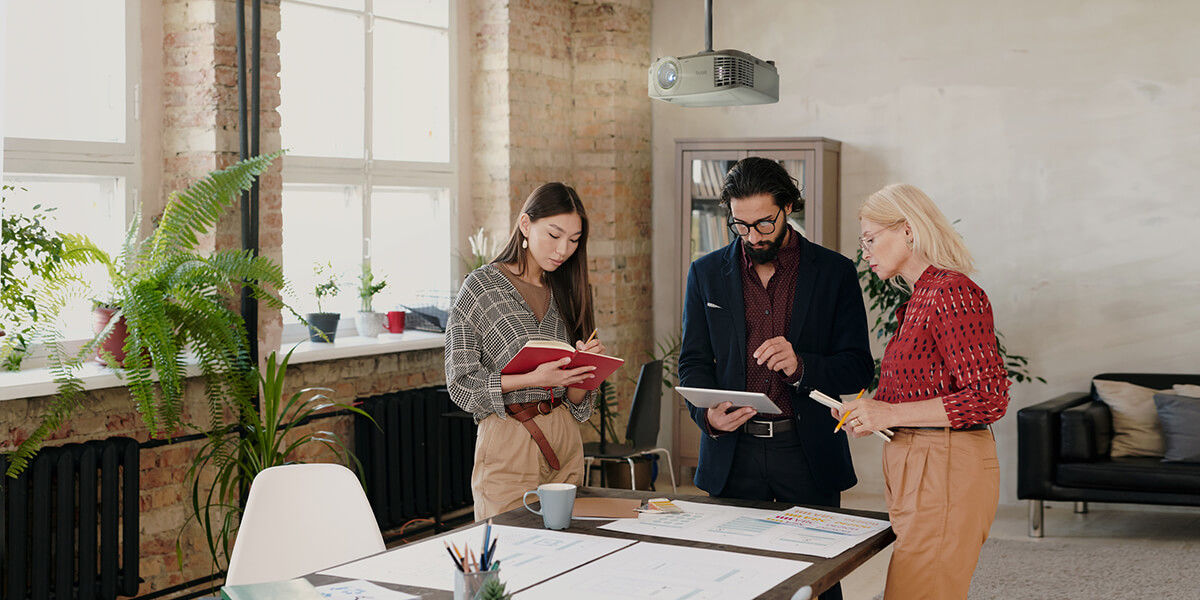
(418, 432)
(70, 523)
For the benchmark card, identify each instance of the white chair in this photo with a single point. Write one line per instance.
(300, 519)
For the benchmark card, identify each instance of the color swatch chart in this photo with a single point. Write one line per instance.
(828, 521)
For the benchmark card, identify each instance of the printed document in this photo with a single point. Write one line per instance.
(526, 557)
(736, 526)
(664, 572)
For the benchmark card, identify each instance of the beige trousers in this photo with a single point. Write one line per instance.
(942, 490)
(508, 462)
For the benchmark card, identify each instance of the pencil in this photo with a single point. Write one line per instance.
(457, 565)
(842, 421)
(591, 337)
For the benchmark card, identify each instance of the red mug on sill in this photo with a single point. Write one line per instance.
(395, 321)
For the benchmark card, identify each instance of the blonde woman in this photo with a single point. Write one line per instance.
(942, 382)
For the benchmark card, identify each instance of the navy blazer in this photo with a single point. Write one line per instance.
(828, 330)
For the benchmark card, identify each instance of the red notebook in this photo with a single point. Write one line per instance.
(537, 352)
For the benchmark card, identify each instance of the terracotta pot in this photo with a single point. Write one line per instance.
(115, 344)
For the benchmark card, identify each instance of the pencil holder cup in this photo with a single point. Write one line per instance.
(468, 586)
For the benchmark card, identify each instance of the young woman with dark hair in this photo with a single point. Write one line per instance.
(537, 288)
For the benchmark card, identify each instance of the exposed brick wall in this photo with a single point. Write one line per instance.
(577, 112)
(164, 495)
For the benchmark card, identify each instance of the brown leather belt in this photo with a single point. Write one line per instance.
(525, 412)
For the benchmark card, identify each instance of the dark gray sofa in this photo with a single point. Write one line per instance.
(1063, 454)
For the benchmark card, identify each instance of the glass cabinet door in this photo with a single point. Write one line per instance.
(709, 220)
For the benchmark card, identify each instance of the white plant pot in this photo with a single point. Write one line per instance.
(370, 324)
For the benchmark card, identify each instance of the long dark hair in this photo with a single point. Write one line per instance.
(569, 282)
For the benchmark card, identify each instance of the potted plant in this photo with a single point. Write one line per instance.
(322, 326)
(369, 323)
(172, 300)
(30, 252)
(234, 454)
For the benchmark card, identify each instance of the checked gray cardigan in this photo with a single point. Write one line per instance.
(489, 323)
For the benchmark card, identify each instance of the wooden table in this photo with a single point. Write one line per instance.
(823, 573)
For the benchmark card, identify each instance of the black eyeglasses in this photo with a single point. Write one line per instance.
(764, 226)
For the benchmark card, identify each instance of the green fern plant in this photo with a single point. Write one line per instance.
(173, 300)
(237, 452)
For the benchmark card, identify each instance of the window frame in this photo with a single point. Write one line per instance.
(43, 156)
(368, 172)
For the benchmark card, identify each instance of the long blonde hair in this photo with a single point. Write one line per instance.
(934, 238)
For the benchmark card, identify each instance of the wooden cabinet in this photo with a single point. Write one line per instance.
(700, 168)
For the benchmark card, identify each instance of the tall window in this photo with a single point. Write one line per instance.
(70, 118)
(366, 107)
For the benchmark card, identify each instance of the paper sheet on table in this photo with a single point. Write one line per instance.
(526, 557)
(361, 590)
(831, 522)
(656, 571)
(736, 526)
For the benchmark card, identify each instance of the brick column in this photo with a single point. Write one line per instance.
(200, 117)
(573, 74)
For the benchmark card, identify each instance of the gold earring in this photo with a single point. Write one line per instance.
(524, 243)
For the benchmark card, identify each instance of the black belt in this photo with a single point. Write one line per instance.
(766, 429)
(977, 427)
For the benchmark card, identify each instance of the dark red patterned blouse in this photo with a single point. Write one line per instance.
(946, 347)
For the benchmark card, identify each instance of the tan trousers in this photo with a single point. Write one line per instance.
(508, 462)
(942, 492)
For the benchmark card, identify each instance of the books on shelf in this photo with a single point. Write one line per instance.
(537, 352)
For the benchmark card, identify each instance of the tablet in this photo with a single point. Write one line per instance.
(706, 398)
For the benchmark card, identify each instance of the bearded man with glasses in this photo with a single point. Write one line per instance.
(774, 313)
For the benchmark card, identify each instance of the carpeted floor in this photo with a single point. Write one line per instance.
(1083, 568)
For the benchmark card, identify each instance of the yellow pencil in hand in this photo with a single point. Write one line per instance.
(843, 421)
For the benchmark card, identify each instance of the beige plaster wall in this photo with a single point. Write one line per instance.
(1062, 135)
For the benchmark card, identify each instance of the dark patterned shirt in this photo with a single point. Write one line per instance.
(768, 315)
(489, 324)
(946, 347)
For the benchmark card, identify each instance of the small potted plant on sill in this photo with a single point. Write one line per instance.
(322, 326)
(369, 323)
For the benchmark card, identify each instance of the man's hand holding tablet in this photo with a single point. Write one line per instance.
(719, 403)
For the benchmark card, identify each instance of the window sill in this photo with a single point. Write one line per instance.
(349, 347)
(32, 383)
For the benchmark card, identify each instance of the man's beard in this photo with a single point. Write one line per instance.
(765, 255)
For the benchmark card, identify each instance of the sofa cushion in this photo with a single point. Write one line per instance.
(1135, 474)
(1180, 419)
(1186, 389)
(1136, 431)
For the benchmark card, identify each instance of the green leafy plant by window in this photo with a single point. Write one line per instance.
(235, 453)
(327, 285)
(29, 253)
(883, 298)
(367, 287)
(173, 300)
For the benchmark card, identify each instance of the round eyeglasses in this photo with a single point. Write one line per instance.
(763, 226)
(866, 241)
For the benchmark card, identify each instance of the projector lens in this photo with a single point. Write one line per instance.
(668, 74)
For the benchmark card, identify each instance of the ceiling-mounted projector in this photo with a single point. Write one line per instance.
(721, 78)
